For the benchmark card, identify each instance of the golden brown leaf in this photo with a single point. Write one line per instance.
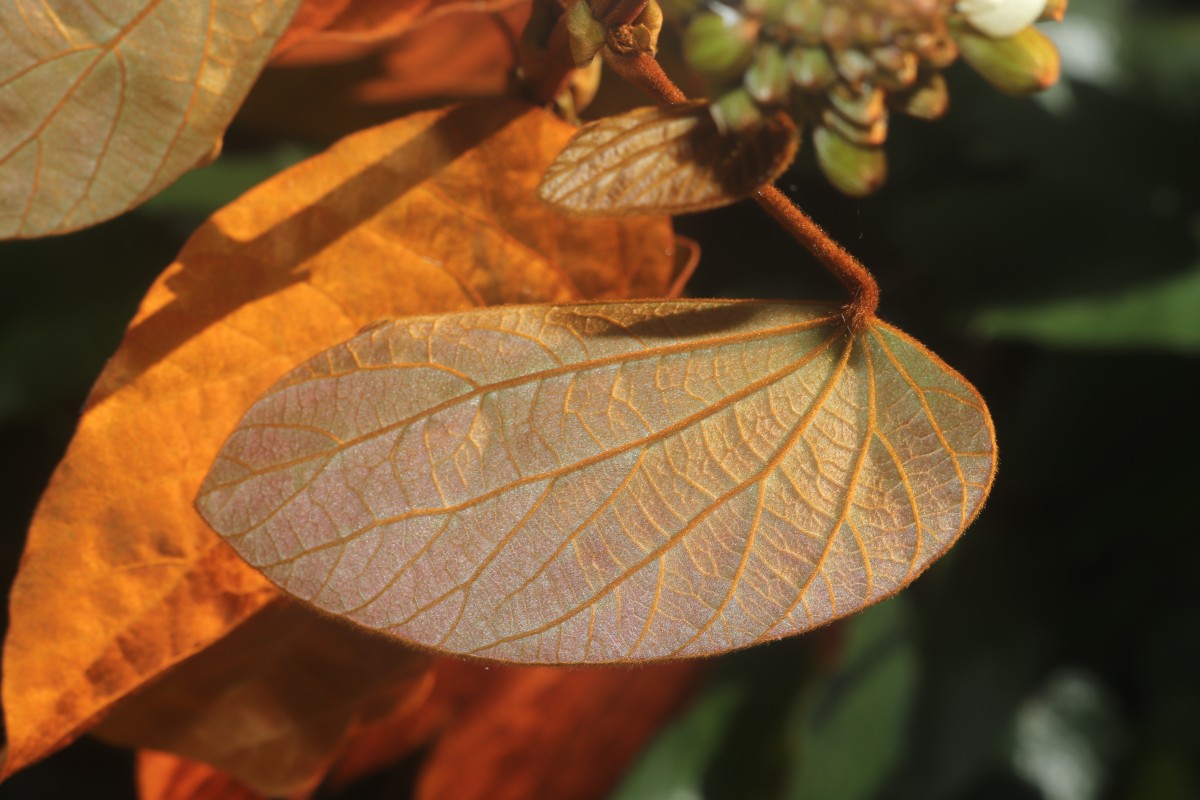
(165, 776)
(598, 483)
(329, 31)
(102, 109)
(546, 732)
(524, 732)
(121, 579)
(451, 56)
(456, 688)
(665, 160)
(271, 703)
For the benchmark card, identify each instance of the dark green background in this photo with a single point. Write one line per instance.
(1047, 248)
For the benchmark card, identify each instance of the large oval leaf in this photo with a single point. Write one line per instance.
(103, 105)
(616, 482)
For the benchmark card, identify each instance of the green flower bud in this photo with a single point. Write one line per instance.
(719, 48)
(767, 79)
(853, 169)
(735, 111)
(810, 68)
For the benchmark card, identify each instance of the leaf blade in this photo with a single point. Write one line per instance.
(511, 515)
(102, 111)
(667, 160)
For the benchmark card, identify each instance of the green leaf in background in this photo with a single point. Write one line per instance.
(673, 767)
(848, 732)
(1161, 314)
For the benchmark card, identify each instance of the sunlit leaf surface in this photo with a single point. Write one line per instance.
(121, 579)
(103, 105)
(665, 160)
(602, 483)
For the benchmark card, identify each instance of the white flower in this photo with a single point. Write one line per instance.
(1000, 19)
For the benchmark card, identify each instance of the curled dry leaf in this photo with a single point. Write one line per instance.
(452, 56)
(121, 579)
(102, 109)
(525, 732)
(166, 776)
(665, 160)
(330, 31)
(366, 62)
(545, 732)
(273, 702)
(620, 482)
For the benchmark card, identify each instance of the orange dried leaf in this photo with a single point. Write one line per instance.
(121, 579)
(545, 732)
(328, 31)
(460, 55)
(456, 687)
(665, 160)
(165, 776)
(272, 703)
(620, 482)
(103, 109)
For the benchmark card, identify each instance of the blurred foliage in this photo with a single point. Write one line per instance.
(1046, 248)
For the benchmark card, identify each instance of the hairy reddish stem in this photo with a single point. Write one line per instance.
(859, 282)
(643, 71)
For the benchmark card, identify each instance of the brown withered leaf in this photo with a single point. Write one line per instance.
(665, 160)
(546, 732)
(121, 579)
(311, 17)
(329, 31)
(272, 703)
(523, 731)
(102, 109)
(613, 482)
(166, 776)
(456, 687)
(450, 56)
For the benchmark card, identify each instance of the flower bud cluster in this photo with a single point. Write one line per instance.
(842, 65)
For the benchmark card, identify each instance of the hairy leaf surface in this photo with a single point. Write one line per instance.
(601, 483)
(104, 105)
(665, 160)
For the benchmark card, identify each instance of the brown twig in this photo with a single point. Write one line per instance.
(859, 282)
(643, 71)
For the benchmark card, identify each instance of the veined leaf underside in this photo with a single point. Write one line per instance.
(610, 482)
